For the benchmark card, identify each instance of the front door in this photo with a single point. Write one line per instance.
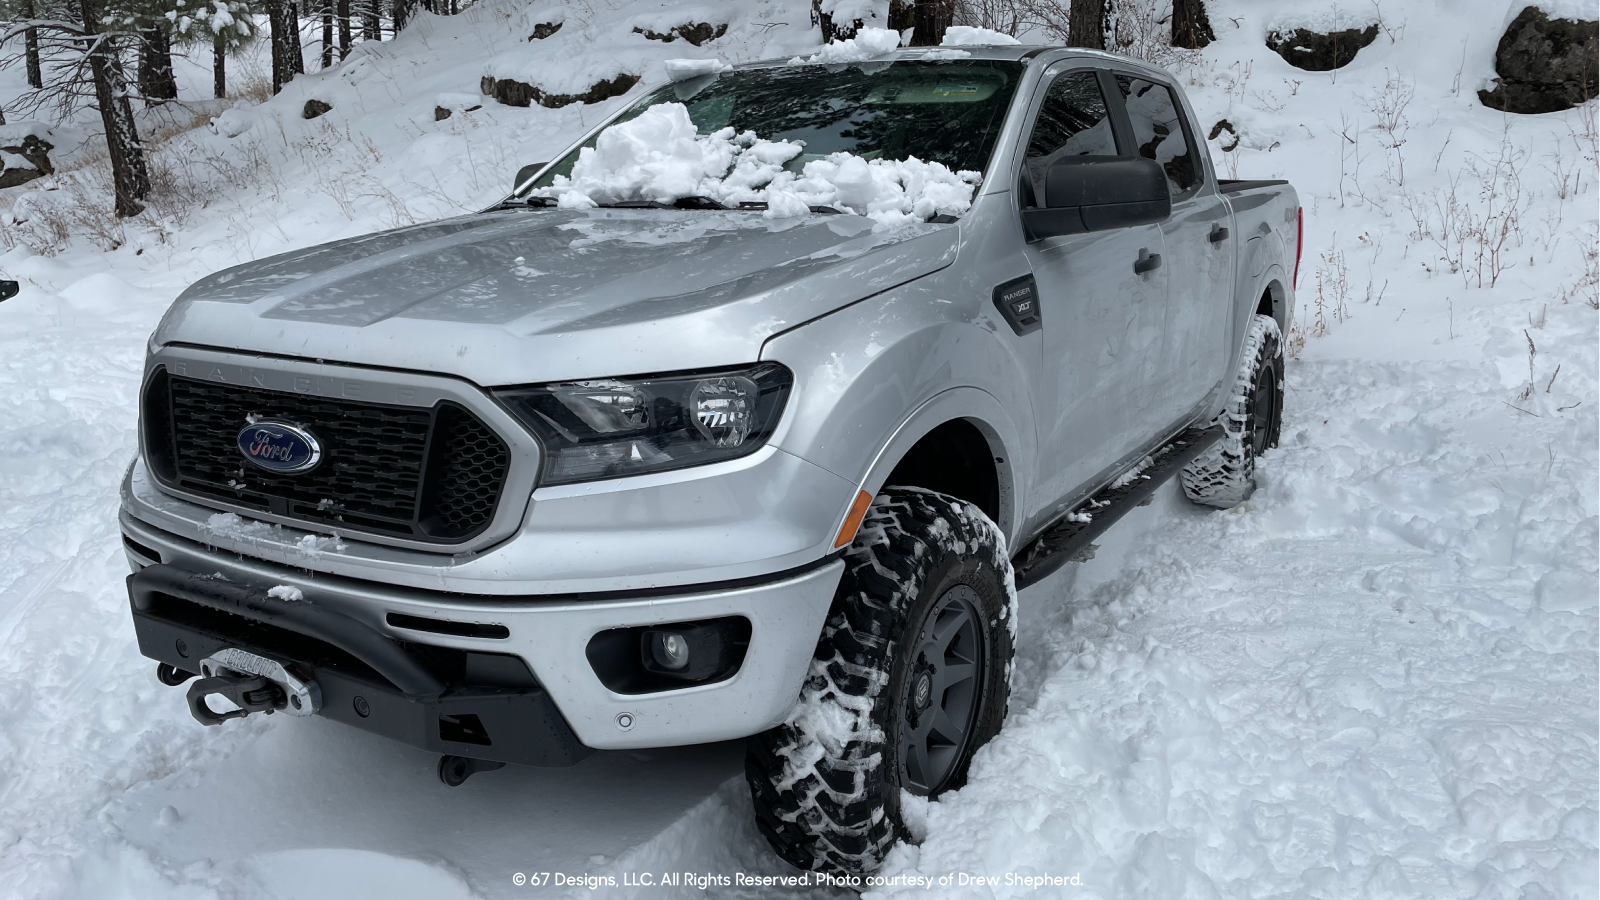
(1200, 254)
(1103, 320)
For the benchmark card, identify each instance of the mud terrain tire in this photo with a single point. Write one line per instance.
(1224, 475)
(920, 635)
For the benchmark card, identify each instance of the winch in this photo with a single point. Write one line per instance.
(253, 684)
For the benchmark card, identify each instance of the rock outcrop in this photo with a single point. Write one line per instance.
(1544, 64)
(25, 160)
(696, 33)
(516, 93)
(1316, 51)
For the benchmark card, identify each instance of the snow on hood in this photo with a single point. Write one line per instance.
(659, 156)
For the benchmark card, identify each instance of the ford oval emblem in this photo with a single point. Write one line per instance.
(280, 447)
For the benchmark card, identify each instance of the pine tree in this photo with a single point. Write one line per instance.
(129, 176)
(31, 48)
(287, 61)
(227, 25)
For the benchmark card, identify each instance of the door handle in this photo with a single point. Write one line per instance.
(1147, 262)
(1218, 234)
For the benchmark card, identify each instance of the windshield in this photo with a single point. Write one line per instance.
(944, 111)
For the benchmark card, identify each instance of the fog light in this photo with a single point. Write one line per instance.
(670, 650)
(693, 651)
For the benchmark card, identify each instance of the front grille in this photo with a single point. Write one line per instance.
(425, 474)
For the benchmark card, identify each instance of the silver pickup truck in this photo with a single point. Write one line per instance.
(523, 484)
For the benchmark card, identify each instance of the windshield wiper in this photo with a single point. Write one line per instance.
(825, 210)
(691, 202)
(528, 203)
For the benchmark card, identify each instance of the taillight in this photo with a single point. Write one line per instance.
(1299, 241)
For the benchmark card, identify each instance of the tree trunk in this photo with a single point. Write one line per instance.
(219, 67)
(371, 21)
(156, 83)
(902, 14)
(1086, 23)
(342, 12)
(30, 40)
(402, 14)
(1191, 27)
(932, 18)
(129, 176)
(327, 34)
(286, 59)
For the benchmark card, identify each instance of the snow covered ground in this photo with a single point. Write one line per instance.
(1375, 679)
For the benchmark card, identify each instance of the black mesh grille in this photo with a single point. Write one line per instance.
(427, 474)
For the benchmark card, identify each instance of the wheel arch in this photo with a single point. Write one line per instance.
(1276, 300)
(959, 443)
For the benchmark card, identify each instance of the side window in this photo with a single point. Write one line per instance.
(1073, 121)
(1158, 130)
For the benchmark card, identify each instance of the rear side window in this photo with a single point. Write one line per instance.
(1073, 121)
(1158, 130)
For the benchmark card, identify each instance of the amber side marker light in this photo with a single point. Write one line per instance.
(852, 520)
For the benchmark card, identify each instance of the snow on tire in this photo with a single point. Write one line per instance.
(1224, 475)
(911, 675)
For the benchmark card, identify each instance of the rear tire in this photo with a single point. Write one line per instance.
(911, 676)
(1224, 476)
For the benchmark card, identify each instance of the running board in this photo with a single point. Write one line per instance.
(1067, 539)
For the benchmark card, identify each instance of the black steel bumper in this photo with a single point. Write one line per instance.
(482, 705)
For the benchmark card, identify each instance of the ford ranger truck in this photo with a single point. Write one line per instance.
(525, 484)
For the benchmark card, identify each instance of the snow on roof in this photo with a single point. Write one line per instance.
(969, 36)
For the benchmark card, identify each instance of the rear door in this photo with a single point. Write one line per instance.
(1102, 320)
(1200, 249)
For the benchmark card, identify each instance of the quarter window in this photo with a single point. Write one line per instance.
(1072, 121)
(1158, 130)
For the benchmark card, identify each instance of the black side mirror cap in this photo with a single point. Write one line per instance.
(525, 173)
(1099, 193)
(9, 289)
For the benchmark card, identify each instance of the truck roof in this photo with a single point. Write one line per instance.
(1001, 52)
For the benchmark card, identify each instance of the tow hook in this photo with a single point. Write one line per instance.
(251, 693)
(253, 684)
(455, 770)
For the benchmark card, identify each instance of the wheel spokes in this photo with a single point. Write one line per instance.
(946, 676)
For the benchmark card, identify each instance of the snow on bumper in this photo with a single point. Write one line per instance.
(552, 634)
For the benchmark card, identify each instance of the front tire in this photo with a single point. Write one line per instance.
(910, 677)
(1224, 476)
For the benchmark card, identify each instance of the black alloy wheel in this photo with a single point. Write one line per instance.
(942, 693)
(1264, 408)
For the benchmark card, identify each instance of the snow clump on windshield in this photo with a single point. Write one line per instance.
(659, 156)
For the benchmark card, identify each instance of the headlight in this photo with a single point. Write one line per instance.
(614, 427)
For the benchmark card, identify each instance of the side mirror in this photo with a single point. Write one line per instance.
(1099, 193)
(525, 173)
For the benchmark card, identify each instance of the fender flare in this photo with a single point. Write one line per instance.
(988, 415)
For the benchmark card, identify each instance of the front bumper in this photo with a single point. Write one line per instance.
(550, 634)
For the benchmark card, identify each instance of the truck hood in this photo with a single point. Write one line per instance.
(525, 296)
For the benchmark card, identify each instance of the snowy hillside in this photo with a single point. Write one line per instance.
(1377, 678)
